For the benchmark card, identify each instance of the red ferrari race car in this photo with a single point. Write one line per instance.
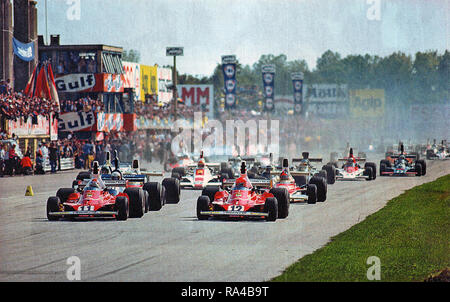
(243, 198)
(97, 198)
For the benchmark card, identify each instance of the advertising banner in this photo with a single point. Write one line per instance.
(90, 82)
(76, 121)
(229, 78)
(132, 78)
(28, 126)
(202, 95)
(366, 102)
(107, 122)
(148, 80)
(327, 100)
(297, 84)
(164, 78)
(268, 76)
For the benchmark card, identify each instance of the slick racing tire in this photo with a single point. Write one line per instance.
(155, 196)
(210, 192)
(64, 193)
(53, 205)
(122, 208)
(203, 204)
(282, 196)
(321, 184)
(331, 173)
(172, 187)
(368, 171)
(323, 173)
(146, 200)
(311, 192)
(180, 171)
(136, 202)
(271, 208)
(419, 169)
(374, 169)
(424, 166)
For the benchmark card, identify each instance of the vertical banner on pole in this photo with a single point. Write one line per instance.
(268, 75)
(297, 83)
(229, 78)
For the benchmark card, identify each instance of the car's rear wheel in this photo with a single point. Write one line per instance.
(424, 166)
(331, 173)
(155, 195)
(179, 172)
(271, 208)
(321, 184)
(203, 204)
(122, 208)
(53, 205)
(311, 192)
(83, 175)
(136, 202)
(368, 171)
(172, 188)
(419, 170)
(374, 169)
(282, 196)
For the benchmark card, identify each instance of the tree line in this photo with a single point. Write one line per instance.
(423, 78)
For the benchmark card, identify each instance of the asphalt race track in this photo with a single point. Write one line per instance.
(172, 245)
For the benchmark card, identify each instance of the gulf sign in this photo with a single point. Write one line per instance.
(198, 95)
(90, 82)
(366, 102)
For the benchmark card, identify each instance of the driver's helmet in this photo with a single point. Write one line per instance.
(284, 175)
(241, 183)
(201, 163)
(93, 184)
(350, 162)
(401, 157)
(304, 162)
(115, 175)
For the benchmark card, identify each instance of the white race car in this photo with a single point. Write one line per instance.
(199, 176)
(351, 170)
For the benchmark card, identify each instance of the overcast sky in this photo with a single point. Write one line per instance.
(208, 29)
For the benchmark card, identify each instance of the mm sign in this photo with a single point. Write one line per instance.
(174, 51)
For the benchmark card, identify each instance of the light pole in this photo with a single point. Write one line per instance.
(174, 51)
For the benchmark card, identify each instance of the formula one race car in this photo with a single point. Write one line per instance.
(166, 192)
(404, 165)
(198, 176)
(351, 170)
(243, 198)
(297, 192)
(438, 151)
(97, 198)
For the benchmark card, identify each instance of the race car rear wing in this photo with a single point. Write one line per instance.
(316, 160)
(362, 159)
(108, 183)
(257, 183)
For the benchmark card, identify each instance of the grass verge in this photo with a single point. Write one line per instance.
(410, 236)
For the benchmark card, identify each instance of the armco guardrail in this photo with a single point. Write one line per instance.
(66, 164)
